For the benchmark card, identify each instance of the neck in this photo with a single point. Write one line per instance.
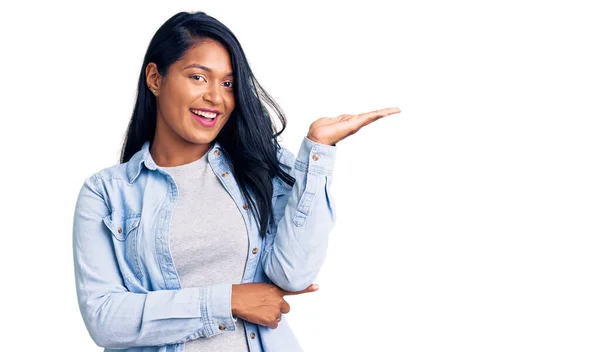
(169, 149)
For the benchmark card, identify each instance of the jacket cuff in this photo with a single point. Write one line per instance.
(315, 157)
(216, 309)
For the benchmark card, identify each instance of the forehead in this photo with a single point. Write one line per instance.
(209, 53)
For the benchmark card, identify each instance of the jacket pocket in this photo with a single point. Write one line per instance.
(122, 226)
(124, 229)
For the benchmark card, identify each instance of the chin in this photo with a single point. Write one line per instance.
(201, 139)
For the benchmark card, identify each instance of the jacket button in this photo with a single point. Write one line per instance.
(221, 327)
(315, 157)
(252, 335)
(217, 152)
(225, 174)
(119, 229)
(245, 206)
(255, 250)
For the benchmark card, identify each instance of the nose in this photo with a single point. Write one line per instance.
(213, 94)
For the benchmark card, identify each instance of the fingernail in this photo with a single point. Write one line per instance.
(315, 286)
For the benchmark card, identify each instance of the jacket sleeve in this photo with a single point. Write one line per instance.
(295, 251)
(117, 318)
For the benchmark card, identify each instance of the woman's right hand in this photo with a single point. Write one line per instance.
(262, 303)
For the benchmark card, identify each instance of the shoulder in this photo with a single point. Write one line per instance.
(113, 172)
(125, 172)
(285, 156)
(116, 171)
(101, 177)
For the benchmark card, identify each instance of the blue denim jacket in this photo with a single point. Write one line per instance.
(128, 290)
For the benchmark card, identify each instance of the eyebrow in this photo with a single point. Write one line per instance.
(230, 74)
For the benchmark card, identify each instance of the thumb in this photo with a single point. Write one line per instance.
(310, 288)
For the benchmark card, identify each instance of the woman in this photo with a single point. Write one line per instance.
(207, 223)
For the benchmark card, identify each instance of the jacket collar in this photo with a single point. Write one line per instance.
(143, 156)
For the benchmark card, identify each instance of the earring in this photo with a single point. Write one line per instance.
(154, 91)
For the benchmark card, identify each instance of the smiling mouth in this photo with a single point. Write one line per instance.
(205, 114)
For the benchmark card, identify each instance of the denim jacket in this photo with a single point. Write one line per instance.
(128, 290)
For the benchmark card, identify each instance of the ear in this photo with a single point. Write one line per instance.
(153, 78)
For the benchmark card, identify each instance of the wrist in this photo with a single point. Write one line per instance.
(235, 304)
(316, 140)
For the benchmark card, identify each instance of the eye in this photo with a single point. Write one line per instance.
(198, 77)
(230, 84)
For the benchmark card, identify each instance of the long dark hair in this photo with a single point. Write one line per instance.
(248, 139)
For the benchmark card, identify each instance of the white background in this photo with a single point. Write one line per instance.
(469, 222)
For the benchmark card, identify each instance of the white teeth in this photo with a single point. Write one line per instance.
(210, 115)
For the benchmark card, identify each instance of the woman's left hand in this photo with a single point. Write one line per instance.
(330, 130)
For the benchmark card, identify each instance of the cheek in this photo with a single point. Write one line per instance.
(230, 106)
(173, 111)
(178, 103)
(230, 102)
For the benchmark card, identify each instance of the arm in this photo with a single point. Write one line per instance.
(117, 318)
(295, 252)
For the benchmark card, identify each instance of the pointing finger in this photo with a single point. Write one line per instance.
(311, 288)
(373, 115)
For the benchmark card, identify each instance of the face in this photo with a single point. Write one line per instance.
(195, 98)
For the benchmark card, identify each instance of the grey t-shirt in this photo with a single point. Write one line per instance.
(208, 241)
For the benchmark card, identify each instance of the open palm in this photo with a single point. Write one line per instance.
(330, 130)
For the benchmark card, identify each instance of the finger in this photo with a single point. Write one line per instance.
(285, 307)
(311, 288)
(377, 114)
(273, 325)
